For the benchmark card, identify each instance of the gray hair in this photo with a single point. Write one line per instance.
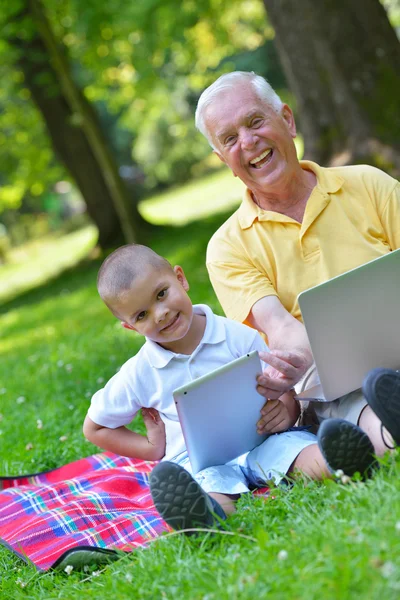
(229, 81)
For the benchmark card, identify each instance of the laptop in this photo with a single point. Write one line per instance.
(353, 325)
(219, 411)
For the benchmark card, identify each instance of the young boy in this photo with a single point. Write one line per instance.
(184, 342)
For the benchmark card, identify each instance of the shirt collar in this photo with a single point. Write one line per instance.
(327, 183)
(214, 333)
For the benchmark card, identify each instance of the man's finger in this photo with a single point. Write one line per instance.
(269, 393)
(287, 363)
(293, 358)
(277, 385)
(280, 365)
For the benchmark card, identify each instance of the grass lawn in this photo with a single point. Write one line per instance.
(217, 192)
(58, 344)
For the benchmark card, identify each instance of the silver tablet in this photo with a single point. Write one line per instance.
(219, 411)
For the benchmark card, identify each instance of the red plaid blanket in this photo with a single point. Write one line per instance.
(90, 507)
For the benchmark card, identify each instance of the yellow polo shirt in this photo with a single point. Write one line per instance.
(352, 216)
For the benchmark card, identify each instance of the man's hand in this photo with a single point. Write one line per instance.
(275, 417)
(284, 371)
(155, 428)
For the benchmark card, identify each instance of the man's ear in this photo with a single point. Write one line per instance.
(180, 275)
(221, 158)
(287, 115)
(127, 326)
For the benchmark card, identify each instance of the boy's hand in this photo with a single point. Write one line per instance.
(155, 428)
(275, 417)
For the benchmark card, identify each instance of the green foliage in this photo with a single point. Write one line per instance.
(27, 162)
(143, 64)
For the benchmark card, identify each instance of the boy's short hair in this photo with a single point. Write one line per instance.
(120, 268)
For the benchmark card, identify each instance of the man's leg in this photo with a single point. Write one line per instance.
(379, 436)
(381, 389)
(341, 445)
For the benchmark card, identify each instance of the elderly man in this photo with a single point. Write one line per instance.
(299, 224)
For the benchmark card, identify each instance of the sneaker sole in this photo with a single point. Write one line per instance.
(345, 446)
(178, 497)
(381, 389)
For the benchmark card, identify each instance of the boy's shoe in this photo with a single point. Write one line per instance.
(381, 389)
(346, 447)
(180, 500)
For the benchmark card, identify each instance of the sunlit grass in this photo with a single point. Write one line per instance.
(34, 263)
(215, 193)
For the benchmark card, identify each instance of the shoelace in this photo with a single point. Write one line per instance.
(384, 441)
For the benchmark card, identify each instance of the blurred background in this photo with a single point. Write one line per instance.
(97, 139)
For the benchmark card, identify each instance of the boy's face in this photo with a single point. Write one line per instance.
(157, 305)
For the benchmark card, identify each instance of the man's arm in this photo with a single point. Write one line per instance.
(128, 443)
(290, 355)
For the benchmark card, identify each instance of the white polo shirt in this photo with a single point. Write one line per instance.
(149, 378)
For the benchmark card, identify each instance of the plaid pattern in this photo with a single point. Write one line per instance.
(99, 502)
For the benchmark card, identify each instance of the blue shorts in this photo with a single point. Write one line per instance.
(271, 460)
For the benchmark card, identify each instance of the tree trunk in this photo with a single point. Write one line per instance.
(75, 132)
(342, 61)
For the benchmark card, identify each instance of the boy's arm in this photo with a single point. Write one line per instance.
(279, 415)
(128, 443)
(276, 415)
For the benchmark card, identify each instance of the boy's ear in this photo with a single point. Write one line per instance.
(127, 326)
(180, 275)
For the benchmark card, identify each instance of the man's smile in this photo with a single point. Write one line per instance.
(262, 159)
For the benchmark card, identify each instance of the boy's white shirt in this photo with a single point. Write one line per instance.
(149, 378)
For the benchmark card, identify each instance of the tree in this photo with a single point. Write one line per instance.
(145, 62)
(342, 61)
(71, 122)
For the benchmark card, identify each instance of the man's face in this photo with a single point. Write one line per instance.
(157, 305)
(252, 139)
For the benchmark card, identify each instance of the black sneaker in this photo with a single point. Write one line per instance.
(381, 389)
(346, 447)
(180, 500)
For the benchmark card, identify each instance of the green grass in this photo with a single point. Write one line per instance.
(34, 263)
(322, 541)
(216, 193)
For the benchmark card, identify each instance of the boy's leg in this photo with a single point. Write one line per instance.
(311, 463)
(275, 457)
(181, 501)
(226, 501)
